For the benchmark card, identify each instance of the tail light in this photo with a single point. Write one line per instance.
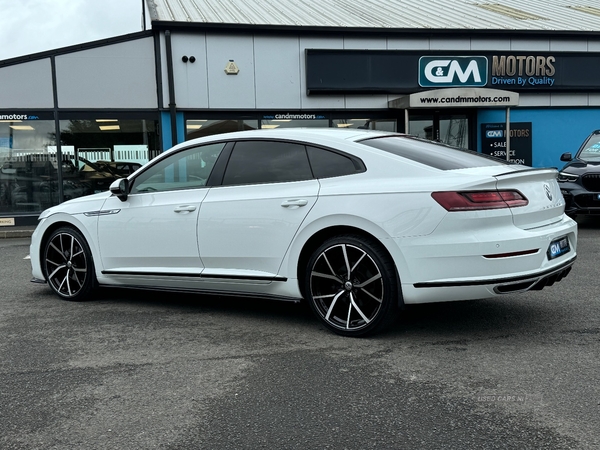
(478, 200)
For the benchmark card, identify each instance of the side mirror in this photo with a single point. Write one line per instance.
(120, 188)
(566, 157)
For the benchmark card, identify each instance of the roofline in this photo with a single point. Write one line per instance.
(162, 25)
(77, 47)
(158, 26)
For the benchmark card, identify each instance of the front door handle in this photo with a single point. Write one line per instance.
(294, 203)
(185, 208)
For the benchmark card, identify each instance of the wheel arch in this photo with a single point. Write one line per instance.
(48, 231)
(317, 238)
(59, 222)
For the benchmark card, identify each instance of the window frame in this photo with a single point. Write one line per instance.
(221, 165)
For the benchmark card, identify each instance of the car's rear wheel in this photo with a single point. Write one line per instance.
(68, 265)
(352, 286)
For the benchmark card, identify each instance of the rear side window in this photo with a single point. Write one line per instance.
(254, 162)
(326, 164)
(432, 154)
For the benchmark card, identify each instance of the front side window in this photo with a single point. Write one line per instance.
(254, 162)
(187, 169)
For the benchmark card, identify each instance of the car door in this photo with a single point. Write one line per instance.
(154, 230)
(246, 225)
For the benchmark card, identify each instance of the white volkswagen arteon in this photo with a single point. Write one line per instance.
(355, 222)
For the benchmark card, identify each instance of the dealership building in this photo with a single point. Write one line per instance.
(468, 74)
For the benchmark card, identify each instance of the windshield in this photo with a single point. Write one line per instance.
(433, 154)
(590, 151)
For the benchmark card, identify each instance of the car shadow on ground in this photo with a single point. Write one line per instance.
(474, 317)
(492, 317)
(200, 303)
(592, 222)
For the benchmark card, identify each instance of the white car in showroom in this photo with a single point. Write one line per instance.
(355, 222)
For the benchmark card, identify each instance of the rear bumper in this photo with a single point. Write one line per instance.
(535, 281)
(486, 262)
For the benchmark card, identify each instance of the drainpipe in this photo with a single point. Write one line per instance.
(59, 156)
(508, 133)
(171, 82)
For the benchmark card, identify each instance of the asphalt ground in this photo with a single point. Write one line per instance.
(138, 370)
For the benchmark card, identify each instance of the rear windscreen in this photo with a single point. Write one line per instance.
(432, 154)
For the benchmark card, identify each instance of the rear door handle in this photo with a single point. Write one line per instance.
(297, 202)
(185, 208)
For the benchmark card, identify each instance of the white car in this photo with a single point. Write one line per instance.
(355, 222)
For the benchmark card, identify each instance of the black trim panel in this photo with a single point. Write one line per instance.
(302, 30)
(493, 281)
(194, 275)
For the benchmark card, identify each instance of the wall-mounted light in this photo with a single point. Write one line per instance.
(231, 68)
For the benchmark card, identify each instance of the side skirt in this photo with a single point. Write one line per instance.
(205, 292)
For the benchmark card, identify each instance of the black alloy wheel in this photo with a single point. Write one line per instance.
(67, 264)
(352, 286)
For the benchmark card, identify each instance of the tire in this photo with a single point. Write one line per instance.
(68, 266)
(351, 285)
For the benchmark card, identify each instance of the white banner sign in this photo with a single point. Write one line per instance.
(457, 97)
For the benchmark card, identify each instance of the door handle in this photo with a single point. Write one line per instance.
(185, 208)
(297, 202)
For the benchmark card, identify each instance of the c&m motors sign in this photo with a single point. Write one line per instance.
(453, 71)
(338, 71)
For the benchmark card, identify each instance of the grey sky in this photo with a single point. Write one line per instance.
(31, 26)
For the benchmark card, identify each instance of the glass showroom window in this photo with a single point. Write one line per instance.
(293, 123)
(28, 165)
(195, 128)
(368, 124)
(98, 151)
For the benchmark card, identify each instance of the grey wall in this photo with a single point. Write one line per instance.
(271, 73)
(272, 69)
(26, 85)
(115, 76)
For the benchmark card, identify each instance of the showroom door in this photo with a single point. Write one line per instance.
(452, 128)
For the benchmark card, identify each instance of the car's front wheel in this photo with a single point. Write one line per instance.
(352, 286)
(68, 265)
